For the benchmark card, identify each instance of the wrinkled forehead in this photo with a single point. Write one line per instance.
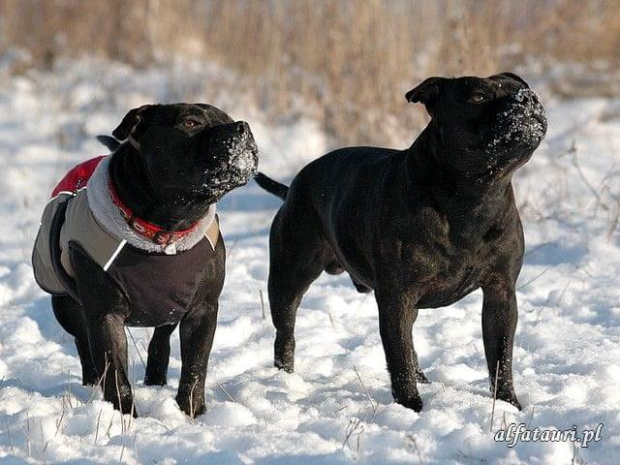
(499, 85)
(176, 113)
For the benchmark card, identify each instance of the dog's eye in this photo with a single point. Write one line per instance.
(190, 124)
(477, 97)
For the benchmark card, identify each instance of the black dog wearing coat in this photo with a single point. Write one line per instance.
(422, 227)
(140, 246)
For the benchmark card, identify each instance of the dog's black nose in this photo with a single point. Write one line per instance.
(242, 127)
(526, 96)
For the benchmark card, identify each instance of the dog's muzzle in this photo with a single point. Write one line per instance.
(522, 124)
(239, 161)
(243, 153)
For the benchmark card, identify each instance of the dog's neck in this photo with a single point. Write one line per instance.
(167, 208)
(109, 216)
(471, 198)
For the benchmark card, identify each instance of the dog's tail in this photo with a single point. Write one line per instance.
(110, 142)
(271, 186)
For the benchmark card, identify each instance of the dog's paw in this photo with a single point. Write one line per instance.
(511, 398)
(286, 366)
(284, 350)
(89, 375)
(127, 406)
(192, 408)
(412, 402)
(507, 395)
(155, 380)
(119, 395)
(90, 380)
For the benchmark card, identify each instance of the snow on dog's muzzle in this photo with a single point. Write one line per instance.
(237, 160)
(242, 159)
(522, 124)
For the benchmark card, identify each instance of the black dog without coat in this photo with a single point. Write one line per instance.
(423, 227)
(177, 161)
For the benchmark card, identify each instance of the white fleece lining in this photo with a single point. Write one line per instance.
(110, 219)
(114, 255)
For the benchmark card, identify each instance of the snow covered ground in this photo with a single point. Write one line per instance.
(337, 407)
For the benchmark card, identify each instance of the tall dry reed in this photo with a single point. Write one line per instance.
(349, 61)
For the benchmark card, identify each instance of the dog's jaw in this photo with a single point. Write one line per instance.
(109, 218)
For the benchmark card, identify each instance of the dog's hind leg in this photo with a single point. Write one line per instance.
(69, 314)
(297, 257)
(159, 355)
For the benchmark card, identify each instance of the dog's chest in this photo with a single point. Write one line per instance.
(443, 271)
(161, 288)
(445, 288)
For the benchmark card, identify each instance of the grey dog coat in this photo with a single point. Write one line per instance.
(159, 284)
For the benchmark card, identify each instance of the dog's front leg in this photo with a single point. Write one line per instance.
(499, 322)
(108, 345)
(105, 309)
(397, 313)
(196, 332)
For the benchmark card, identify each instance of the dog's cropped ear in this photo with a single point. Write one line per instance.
(110, 142)
(130, 121)
(427, 92)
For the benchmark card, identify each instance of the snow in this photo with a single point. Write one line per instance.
(337, 407)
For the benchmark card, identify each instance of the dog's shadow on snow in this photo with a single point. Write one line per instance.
(554, 253)
(40, 311)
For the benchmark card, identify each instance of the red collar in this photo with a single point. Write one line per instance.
(144, 228)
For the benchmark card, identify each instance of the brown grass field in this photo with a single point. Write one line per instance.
(349, 61)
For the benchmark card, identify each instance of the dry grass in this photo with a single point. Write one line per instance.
(350, 61)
